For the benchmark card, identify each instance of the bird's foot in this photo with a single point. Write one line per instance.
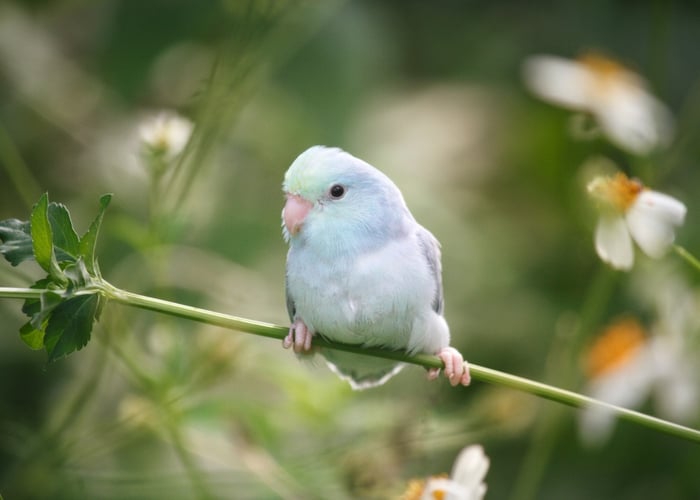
(299, 337)
(456, 368)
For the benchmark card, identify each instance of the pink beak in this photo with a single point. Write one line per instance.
(295, 210)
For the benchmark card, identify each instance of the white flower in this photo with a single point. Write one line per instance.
(466, 482)
(630, 116)
(632, 212)
(625, 366)
(166, 133)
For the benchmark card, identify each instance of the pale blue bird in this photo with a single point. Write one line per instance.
(361, 270)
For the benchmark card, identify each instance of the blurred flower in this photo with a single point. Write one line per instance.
(166, 134)
(678, 326)
(138, 411)
(629, 211)
(466, 483)
(618, 98)
(625, 366)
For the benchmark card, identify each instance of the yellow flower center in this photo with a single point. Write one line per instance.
(617, 345)
(416, 488)
(618, 192)
(609, 77)
(602, 66)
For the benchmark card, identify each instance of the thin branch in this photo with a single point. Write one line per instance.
(687, 256)
(270, 330)
(17, 170)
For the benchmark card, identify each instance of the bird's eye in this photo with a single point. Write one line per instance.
(337, 191)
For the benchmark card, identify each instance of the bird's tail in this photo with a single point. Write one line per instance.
(361, 372)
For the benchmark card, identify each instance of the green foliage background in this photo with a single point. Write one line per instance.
(429, 92)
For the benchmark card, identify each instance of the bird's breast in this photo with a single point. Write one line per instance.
(371, 298)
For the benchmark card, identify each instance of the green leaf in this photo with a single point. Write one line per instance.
(77, 274)
(62, 316)
(31, 336)
(16, 241)
(33, 306)
(65, 239)
(41, 233)
(38, 310)
(70, 325)
(41, 309)
(42, 240)
(88, 242)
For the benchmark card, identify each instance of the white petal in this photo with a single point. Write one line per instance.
(632, 118)
(558, 80)
(595, 425)
(678, 397)
(652, 219)
(179, 131)
(167, 131)
(470, 469)
(630, 384)
(678, 394)
(627, 386)
(613, 243)
(664, 122)
(444, 488)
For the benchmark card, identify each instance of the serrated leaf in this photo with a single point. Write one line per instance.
(42, 239)
(70, 325)
(31, 336)
(38, 310)
(88, 241)
(33, 306)
(65, 239)
(16, 241)
(42, 309)
(61, 319)
(41, 233)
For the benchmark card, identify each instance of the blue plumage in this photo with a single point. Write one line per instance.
(360, 269)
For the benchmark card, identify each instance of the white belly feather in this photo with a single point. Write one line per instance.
(380, 298)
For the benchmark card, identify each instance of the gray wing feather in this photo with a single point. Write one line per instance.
(291, 307)
(431, 251)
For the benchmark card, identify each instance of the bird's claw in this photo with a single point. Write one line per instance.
(456, 368)
(299, 337)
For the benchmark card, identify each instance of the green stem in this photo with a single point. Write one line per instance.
(194, 313)
(17, 170)
(687, 256)
(270, 330)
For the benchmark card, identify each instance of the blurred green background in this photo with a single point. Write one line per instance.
(429, 92)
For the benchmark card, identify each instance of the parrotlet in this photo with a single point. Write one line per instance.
(361, 270)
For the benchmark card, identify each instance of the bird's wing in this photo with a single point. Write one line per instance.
(430, 247)
(291, 307)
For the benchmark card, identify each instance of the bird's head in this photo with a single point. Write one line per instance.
(342, 202)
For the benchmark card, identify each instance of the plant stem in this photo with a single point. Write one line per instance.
(195, 313)
(270, 330)
(687, 256)
(17, 170)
